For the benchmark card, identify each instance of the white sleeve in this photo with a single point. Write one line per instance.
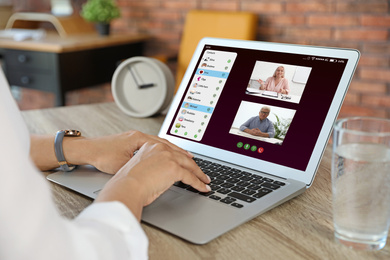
(127, 240)
(31, 227)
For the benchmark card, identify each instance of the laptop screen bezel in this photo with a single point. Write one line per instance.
(306, 176)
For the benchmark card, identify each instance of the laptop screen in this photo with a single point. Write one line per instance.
(266, 105)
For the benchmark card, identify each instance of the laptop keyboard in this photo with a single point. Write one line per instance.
(233, 186)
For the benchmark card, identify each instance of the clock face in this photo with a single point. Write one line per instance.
(142, 86)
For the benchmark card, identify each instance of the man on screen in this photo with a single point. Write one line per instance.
(259, 125)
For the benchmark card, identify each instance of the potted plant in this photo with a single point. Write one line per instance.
(100, 12)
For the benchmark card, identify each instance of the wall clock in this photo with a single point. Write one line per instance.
(142, 86)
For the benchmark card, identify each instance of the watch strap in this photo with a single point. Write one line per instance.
(64, 166)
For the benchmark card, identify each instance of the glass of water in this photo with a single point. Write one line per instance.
(361, 182)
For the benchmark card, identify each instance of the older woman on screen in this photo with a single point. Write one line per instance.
(277, 82)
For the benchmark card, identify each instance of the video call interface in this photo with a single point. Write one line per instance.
(265, 105)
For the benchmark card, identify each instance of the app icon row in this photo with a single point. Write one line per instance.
(253, 148)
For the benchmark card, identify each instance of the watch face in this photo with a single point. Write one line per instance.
(72, 132)
(142, 86)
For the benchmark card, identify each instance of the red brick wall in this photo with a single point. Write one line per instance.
(364, 25)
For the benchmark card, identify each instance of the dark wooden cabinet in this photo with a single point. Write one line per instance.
(75, 66)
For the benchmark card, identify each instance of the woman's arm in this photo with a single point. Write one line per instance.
(108, 153)
(264, 85)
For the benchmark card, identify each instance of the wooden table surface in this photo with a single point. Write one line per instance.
(301, 228)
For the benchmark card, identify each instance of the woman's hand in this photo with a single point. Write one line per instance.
(155, 168)
(110, 153)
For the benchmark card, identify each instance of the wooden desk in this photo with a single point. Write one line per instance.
(57, 65)
(301, 228)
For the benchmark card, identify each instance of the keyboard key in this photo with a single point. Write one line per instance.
(270, 185)
(211, 173)
(223, 177)
(237, 205)
(214, 197)
(246, 178)
(214, 187)
(233, 180)
(224, 172)
(279, 183)
(260, 194)
(206, 193)
(227, 200)
(248, 192)
(254, 187)
(241, 197)
(265, 190)
(235, 175)
(243, 183)
(217, 182)
(268, 179)
(224, 191)
(238, 188)
(257, 181)
(227, 185)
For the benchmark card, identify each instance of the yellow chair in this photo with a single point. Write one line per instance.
(220, 24)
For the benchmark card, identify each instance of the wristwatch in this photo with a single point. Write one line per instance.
(64, 166)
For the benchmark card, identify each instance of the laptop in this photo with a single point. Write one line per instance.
(250, 175)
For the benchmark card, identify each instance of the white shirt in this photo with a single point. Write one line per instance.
(31, 227)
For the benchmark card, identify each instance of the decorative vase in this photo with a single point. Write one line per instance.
(103, 28)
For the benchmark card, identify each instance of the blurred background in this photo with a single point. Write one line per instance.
(358, 24)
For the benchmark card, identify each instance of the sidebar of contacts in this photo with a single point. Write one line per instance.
(203, 94)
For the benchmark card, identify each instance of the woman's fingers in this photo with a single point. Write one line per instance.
(179, 166)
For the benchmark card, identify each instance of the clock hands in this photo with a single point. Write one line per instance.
(147, 85)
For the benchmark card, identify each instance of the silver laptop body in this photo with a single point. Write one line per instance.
(211, 105)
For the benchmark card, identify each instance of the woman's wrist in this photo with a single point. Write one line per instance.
(126, 190)
(77, 150)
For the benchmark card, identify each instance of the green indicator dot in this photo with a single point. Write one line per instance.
(176, 131)
(239, 144)
(254, 148)
(246, 146)
(185, 133)
(196, 136)
(229, 61)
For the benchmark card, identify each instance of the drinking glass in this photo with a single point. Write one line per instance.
(361, 182)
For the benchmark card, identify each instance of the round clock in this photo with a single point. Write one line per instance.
(142, 86)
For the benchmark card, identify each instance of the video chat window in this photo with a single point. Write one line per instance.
(278, 81)
(248, 115)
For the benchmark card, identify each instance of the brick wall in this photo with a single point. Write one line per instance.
(364, 25)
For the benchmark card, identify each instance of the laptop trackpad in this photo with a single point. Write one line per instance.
(167, 196)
